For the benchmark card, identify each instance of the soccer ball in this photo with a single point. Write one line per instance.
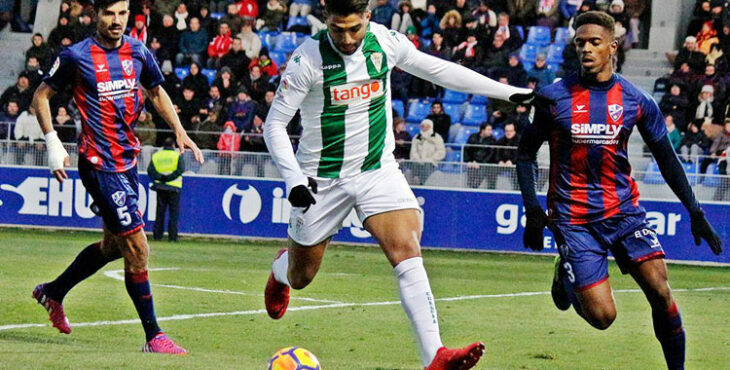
(294, 358)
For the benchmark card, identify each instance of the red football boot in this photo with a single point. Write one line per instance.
(276, 295)
(162, 344)
(458, 358)
(54, 308)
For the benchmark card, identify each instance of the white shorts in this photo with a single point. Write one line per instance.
(369, 193)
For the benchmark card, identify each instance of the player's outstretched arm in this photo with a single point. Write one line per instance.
(162, 103)
(57, 156)
(536, 220)
(457, 77)
(673, 173)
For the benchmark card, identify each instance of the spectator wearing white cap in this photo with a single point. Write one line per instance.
(427, 149)
(705, 108)
(691, 55)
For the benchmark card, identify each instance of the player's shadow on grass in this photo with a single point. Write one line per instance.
(36, 338)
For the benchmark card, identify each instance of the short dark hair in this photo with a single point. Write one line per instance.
(484, 125)
(596, 17)
(103, 4)
(346, 7)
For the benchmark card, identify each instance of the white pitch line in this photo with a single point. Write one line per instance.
(319, 307)
(118, 275)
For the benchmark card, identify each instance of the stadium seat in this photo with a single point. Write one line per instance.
(268, 39)
(691, 170)
(279, 58)
(538, 35)
(413, 129)
(210, 73)
(452, 162)
(286, 42)
(297, 21)
(528, 54)
(712, 180)
(498, 133)
(425, 43)
(479, 99)
(555, 67)
(555, 54)
(562, 36)
(454, 111)
(474, 115)
(521, 31)
(398, 107)
(182, 72)
(217, 16)
(653, 176)
(418, 110)
(464, 132)
(451, 96)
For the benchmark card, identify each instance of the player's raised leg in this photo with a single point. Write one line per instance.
(399, 234)
(651, 276)
(50, 295)
(294, 267)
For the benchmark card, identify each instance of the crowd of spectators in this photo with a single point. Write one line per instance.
(229, 38)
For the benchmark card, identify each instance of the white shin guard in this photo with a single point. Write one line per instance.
(419, 304)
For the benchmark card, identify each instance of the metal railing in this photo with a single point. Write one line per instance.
(453, 175)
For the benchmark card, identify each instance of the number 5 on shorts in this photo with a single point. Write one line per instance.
(124, 217)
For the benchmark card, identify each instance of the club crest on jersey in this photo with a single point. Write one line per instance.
(119, 198)
(128, 67)
(615, 111)
(356, 92)
(377, 59)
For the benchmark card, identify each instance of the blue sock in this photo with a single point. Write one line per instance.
(89, 261)
(670, 333)
(138, 287)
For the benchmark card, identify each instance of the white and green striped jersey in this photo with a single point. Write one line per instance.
(345, 103)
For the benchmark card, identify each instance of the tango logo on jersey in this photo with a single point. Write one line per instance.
(615, 111)
(356, 92)
(595, 133)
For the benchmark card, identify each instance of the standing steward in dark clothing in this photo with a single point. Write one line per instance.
(166, 170)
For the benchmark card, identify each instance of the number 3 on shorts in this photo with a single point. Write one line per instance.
(124, 217)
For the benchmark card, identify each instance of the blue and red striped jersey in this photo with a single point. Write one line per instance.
(588, 130)
(106, 89)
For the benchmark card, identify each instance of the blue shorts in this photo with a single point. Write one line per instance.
(584, 248)
(115, 197)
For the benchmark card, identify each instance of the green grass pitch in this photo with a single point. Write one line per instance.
(213, 291)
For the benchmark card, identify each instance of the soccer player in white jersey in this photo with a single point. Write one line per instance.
(339, 80)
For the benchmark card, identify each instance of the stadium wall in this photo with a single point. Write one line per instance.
(248, 207)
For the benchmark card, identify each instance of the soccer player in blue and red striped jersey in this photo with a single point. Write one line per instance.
(593, 203)
(108, 73)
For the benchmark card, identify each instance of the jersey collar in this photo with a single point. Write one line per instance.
(606, 85)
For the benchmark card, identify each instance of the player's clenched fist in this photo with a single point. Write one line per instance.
(534, 226)
(300, 196)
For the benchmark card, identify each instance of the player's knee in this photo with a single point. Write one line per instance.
(603, 319)
(400, 251)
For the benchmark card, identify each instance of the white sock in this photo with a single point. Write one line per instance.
(418, 302)
(280, 267)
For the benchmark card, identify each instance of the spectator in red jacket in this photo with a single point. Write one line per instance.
(220, 45)
(229, 143)
(248, 9)
(268, 66)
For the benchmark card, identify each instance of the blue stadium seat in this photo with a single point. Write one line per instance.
(451, 96)
(555, 67)
(210, 73)
(268, 39)
(418, 110)
(453, 157)
(521, 31)
(413, 129)
(182, 72)
(454, 111)
(562, 36)
(653, 176)
(479, 99)
(691, 170)
(425, 43)
(555, 54)
(286, 42)
(279, 58)
(528, 54)
(398, 107)
(538, 35)
(463, 135)
(217, 16)
(713, 180)
(297, 21)
(498, 133)
(475, 115)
